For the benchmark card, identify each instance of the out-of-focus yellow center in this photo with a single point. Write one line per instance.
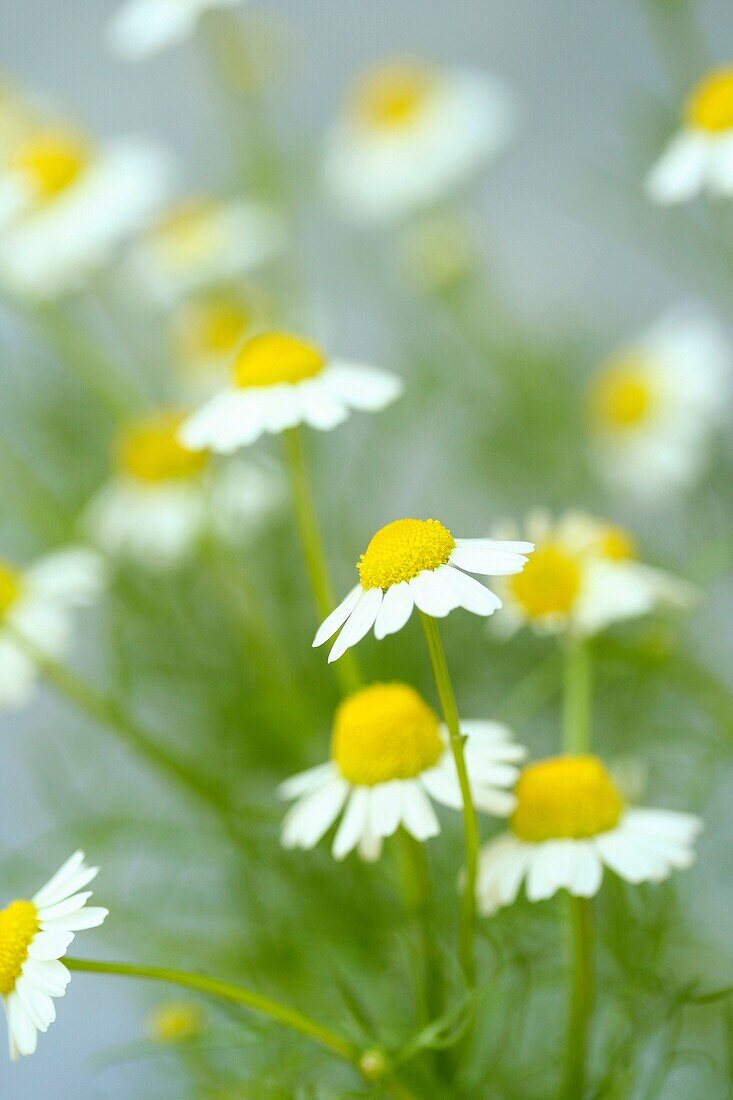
(149, 450)
(391, 97)
(10, 585)
(710, 106)
(212, 329)
(51, 161)
(18, 926)
(549, 583)
(273, 358)
(403, 549)
(622, 396)
(385, 731)
(176, 1022)
(567, 796)
(188, 233)
(616, 543)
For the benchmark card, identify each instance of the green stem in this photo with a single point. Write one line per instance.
(418, 894)
(470, 822)
(581, 997)
(577, 698)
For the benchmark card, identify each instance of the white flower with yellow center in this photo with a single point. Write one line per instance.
(699, 157)
(654, 407)
(200, 242)
(279, 381)
(389, 758)
(66, 205)
(568, 824)
(164, 499)
(409, 134)
(584, 576)
(418, 563)
(34, 936)
(207, 331)
(143, 28)
(38, 604)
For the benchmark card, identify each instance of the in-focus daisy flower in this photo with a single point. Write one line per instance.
(34, 936)
(568, 824)
(143, 28)
(700, 156)
(583, 576)
(164, 499)
(201, 242)
(409, 134)
(279, 381)
(655, 405)
(176, 1022)
(418, 563)
(37, 603)
(66, 204)
(389, 758)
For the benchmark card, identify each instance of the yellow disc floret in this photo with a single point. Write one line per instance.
(212, 328)
(150, 451)
(566, 796)
(18, 926)
(176, 1022)
(385, 731)
(710, 107)
(549, 584)
(616, 543)
(403, 549)
(10, 585)
(622, 395)
(188, 233)
(392, 96)
(51, 161)
(274, 358)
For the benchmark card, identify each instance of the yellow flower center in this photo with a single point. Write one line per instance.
(622, 396)
(403, 549)
(18, 926)
(150, 451)
(549, 583)
(188, 232)
(273, 358)
(176, 1022)
(710, 107)
(10, 584)
(616, 543)
(385, 731)
(391, 96)
(52, 161)
(567, 796)
(213, 328)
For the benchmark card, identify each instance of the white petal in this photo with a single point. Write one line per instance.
(305, 782)
(396, 609)
(418, 815)
(320, 408)
(52, 893)
(337, 618)
(38, 1005)
(50, 977)
(588, 874)
(353, 824)
(70, 905)
(433, 593)
(49, 945)
(502, 865)
(489, 557)
(142, 28)
(385, 808)
(89, 917)
(679, 173)
(362, 387)
(620, 850)
(471, 594)
(359, 622)
(547, 869)
(310, 818)
(20, 1025)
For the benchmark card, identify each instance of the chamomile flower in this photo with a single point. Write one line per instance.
(418, 563)
(569, 824)
(34, 936)
(410, 133)
(700, 156)
(143, 28)
(176, 1022)
(38, 604)
(389, 758)
(163, 498)
(583, 576)
(654, 406)
(67, 204)
(279, 381)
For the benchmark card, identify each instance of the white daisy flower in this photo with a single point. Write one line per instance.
(37, 603)
(584, 576)
(655, 406)
(280, 381)
(409, 134)
(66, 206)
(418, 563)
(140, 29)
(164, 499)
(201, 242)
(569, 823)
(34, 936)
(389, 758)
(700, 156)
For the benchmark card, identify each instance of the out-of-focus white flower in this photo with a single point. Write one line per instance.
(279, 381)
(700, 156)
(409, 134)
(176, 1022)
(143, 28)
(584, 576)
(164, 498)
(34, 936)
(202, 242)
(389, 757)
(569, 823)
(66, 205)
(655, 405)
(418, 563)
(38, 604)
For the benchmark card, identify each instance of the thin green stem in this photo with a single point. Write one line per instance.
(577, 697)
(470, 822)
(418, 901)
(580, 922)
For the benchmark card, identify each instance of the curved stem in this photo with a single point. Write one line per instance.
(577, 697)
(470, 822)
(581, 997)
